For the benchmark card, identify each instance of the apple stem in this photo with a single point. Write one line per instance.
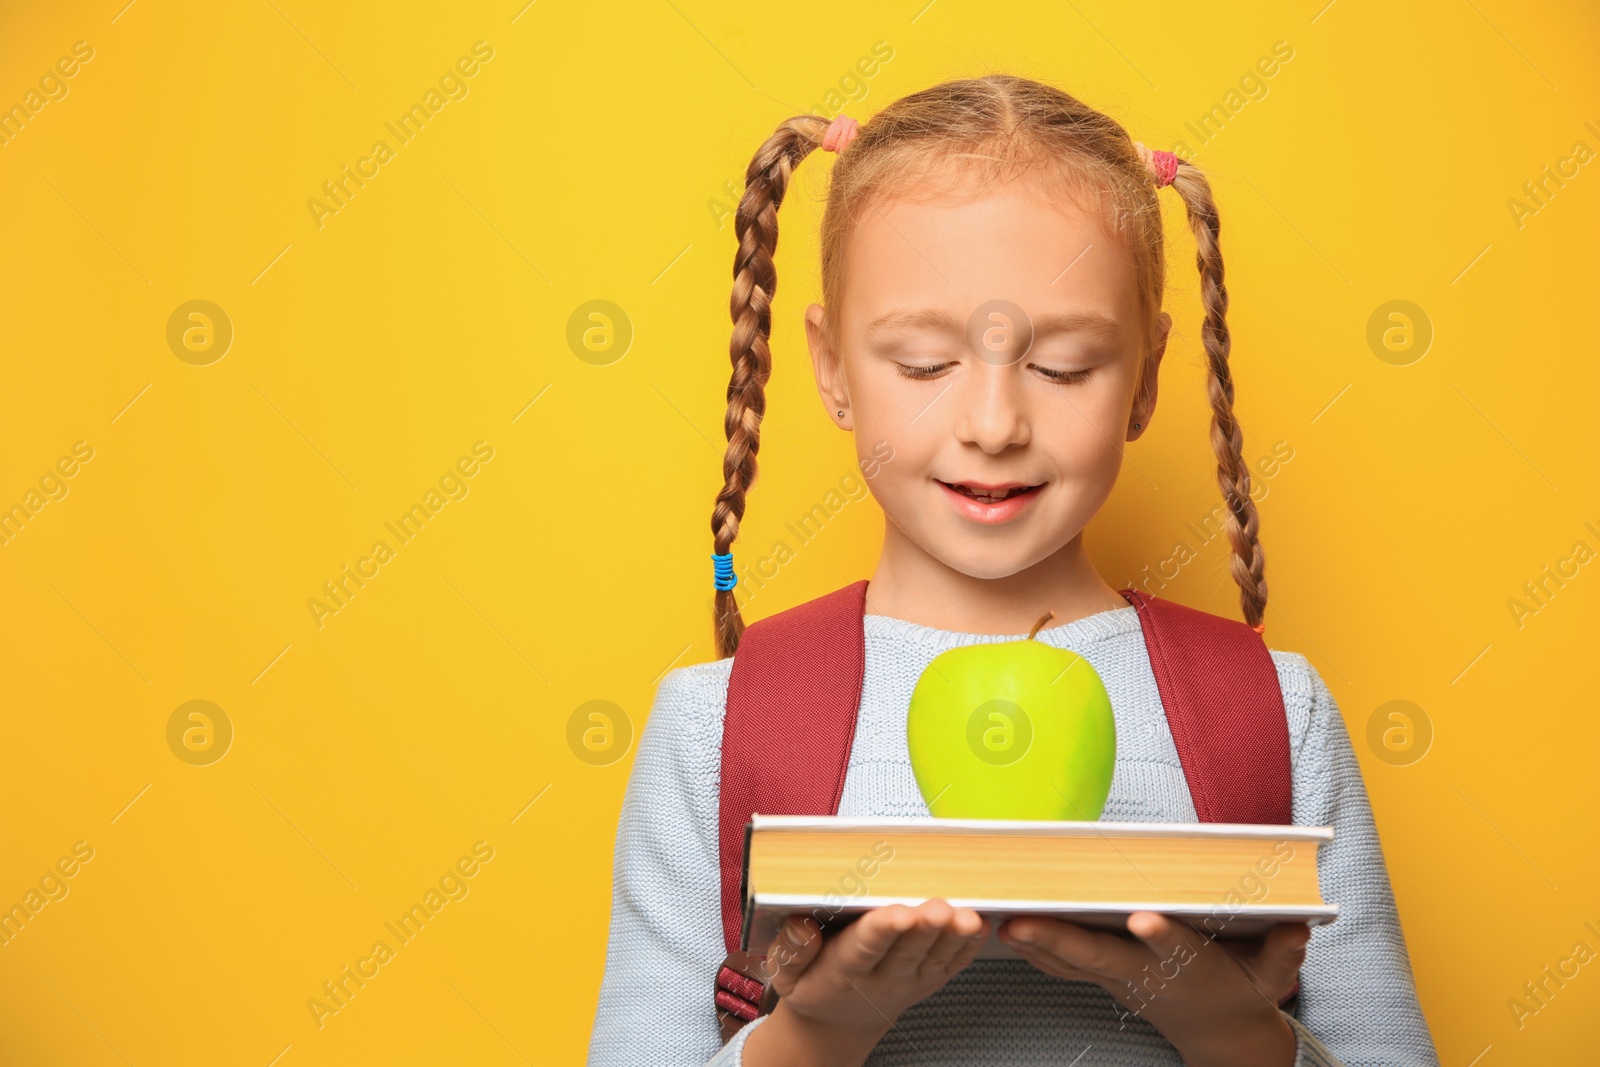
(1033, 633)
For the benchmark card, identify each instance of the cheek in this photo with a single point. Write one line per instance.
(1083, 436)
(897, 422)
(893, 480)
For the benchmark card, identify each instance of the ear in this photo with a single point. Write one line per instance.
(828, 367)
(1144, 399)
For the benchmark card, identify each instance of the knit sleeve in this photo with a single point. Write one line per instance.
(656, 1005)
(1357, 995)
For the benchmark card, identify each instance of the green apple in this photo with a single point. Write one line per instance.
(1012, 730)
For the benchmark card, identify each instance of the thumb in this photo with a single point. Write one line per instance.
(797, 944)
(1285, 945)
(1276, 964)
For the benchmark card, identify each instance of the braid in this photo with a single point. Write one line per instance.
(1227, 440)
(755, 279)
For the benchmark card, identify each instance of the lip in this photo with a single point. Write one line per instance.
(990, 514)
(992, 487)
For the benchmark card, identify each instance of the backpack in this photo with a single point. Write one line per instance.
(1217, 682)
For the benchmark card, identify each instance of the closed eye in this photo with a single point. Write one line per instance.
(1065, 377)
(927, 373)
(922, 374)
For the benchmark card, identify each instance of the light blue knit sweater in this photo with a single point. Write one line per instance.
(1357, 1005)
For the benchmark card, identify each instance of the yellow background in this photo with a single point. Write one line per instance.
(372, 352)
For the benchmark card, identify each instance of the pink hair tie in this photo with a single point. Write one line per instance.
(1163, 165)
(841, 131)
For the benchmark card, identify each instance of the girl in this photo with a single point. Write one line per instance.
(974, 210)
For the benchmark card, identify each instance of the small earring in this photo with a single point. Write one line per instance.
(1136, 426)
(841, 413)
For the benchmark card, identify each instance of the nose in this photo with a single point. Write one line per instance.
(993, 411)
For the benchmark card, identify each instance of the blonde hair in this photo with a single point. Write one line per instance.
(939, 140)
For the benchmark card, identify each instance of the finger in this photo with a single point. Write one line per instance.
(1287, 942)
(798, 941)
(1276, 963)
(1170, 939)
(1050, 965)
(1070, 945)
(907, 956)
(865, 942)
(970, 952)
(966, 930)
(1282, 944)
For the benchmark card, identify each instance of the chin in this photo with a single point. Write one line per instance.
(985, 561)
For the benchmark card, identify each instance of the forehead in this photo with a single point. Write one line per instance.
(953, 253)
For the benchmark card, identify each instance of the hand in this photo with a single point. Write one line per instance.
(839, 995)
(1216, 1001)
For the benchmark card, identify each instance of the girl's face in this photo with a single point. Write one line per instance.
(988, 361)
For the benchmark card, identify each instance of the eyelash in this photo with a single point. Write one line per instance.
(923, 374)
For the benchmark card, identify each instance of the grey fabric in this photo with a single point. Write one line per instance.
(1357, 1006)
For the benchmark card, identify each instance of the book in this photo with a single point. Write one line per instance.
(1227, 880)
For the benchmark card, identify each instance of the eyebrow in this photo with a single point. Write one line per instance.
(938, 321)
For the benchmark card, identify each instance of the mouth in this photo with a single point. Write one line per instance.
(991, 494)
(990, 503)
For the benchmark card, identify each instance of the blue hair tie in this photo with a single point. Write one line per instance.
(724, 578)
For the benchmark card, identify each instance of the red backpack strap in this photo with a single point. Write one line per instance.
(1220, 690)
(799, 668)
(1224, 706)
